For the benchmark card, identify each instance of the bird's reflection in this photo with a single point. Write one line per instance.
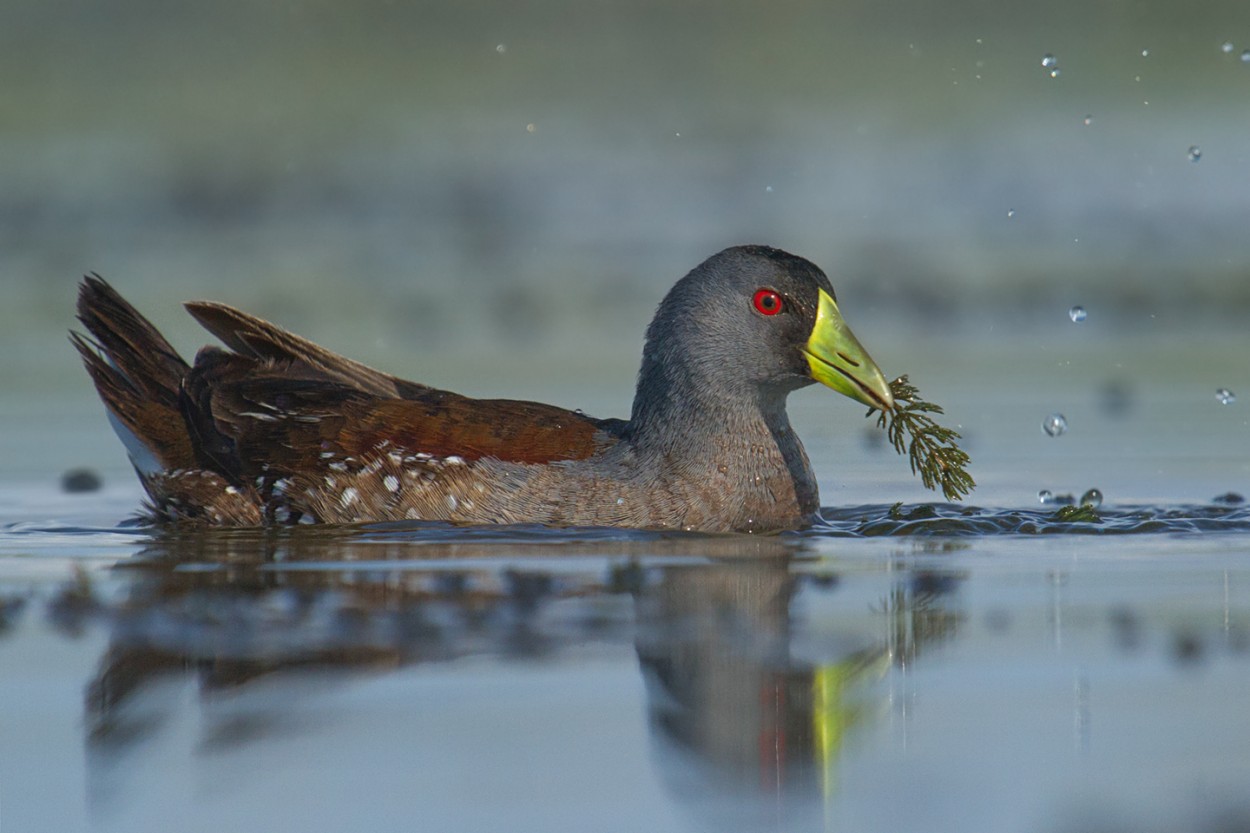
(734, 713)
(731, 701)
(230, 608)
(728, 692)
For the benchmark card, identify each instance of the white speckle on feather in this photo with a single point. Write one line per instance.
(331, 482)
(451, 502)
(326, 455)
(338, 466)
(349, 496)
(411, 514)
(454, 460)
(395, 457)
(231, 490)
(391, 482)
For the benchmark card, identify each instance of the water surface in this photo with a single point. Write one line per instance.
(897, 667)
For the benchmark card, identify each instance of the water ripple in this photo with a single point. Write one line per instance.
(859, 521)
(971, 521)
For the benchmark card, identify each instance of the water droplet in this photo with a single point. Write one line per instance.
(1145, 53)
(501, 48)
(1054, 425)
(1011, 212)
(1088, 120)
(1093, 497)
(1245, 56)
(1054, 73)
(531, 127)
(1195, 153)
(1227, 47)
(1045, 496)
(1049, 62)
(1225, 396)
(768, 189)
(1077, 314)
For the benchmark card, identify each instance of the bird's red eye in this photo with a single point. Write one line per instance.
(767, 302)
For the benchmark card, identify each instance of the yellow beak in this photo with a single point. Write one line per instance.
(837, 359)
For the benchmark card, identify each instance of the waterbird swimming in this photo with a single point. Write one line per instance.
(275, 429)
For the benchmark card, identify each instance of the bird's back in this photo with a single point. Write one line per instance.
(279, 428)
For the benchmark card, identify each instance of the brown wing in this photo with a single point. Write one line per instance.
(267, 417)
(202, 436)
(256, 338)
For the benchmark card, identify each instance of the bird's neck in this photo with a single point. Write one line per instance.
(677, 413)
(737, 441)
(744, 442)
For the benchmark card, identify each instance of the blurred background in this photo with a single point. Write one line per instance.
(493, 197)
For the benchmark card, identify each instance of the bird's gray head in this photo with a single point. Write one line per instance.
(736, 323)
(742, 330)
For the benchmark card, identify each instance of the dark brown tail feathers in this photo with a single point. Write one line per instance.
(139, 377)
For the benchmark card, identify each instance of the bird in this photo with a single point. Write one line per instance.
(272, 429)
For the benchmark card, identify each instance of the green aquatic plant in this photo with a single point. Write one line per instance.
(931, 448)
(1085, 513)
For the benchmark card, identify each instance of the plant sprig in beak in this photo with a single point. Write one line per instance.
(931, 449)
